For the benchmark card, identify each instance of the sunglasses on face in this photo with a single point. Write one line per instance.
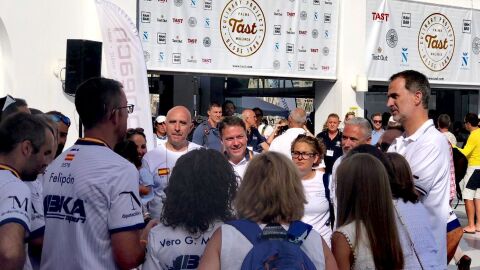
(58, 118)
(377, 121)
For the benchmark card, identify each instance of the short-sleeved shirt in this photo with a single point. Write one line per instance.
(15, 199)
(283, 143)
(157, 166)
(428, 154)
(376, 135)
(90, 193)
(333, 148)
(207, 136)
(254, 140)
(168, 247)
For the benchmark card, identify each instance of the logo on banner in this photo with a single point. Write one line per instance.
(315, 15)
(467, 26)
(146, 56)
(313, 50)
(290, 14)
(145, 17)
(277, 13)
(178, 3)
(325, 68)
(313, 67)
(242, 27)
(277, 46)
(290, 65)
(290, 48)
(290, 32)
(465, 60)
(163, 1)
(191, 40)
(327, 18)
(476, 45)
(177, 20)
(207, 60)
(192, 21)
(176, 58)
(145, 36)
(301, 66)
(327, 2)
(206, 22)
(315, 33)
(276, 64)
(406, 20)
(207, 42)
(436, 42)
(325, 51)
(177, 40)
(162, 38)
(316, 2)
(392, 38)
(207, 4)
(162, 19)
(277, 29)
(303, 15)
(379, 56)
(161, 57)
(302, 32)
(192, 60)
(404, 56)
(376, 16)
(193, 3)
(326, 34)
(302, 50)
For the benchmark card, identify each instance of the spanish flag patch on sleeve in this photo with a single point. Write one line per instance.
(163, 171)
(69, 157)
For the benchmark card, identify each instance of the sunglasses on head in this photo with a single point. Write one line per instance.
(59, 117)
(138, 130)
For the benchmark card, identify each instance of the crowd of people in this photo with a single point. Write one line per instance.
(361, 194)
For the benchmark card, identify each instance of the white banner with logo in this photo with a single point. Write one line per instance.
(440, 41)
(125, 62)
(287, 38)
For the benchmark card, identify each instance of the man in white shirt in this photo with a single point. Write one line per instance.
(93, 215)
(234, 139)
(27, 146)
(425, 148)
(157, 165)
(296, 123)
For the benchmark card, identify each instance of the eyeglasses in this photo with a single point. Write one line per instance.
(135, 130)
(129, 108)
(377, 121)
(304, 155)
(59, 117)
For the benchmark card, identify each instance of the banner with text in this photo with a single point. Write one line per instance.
(288, 38)
(440, 41)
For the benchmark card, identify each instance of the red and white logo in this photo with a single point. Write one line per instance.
(376, 16)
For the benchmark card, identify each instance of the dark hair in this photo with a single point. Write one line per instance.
(14, 107)
(214, 104)
(227, 102)
(375, 114)
(374, 151)
(95, 99)
(229, 121)
(443, 121)
(200, 191)
(402, 181)
(135, 131)
(472, 119)
(128, 150)
(256, 109)
(317, 146)
(22, 127)
(415, 81)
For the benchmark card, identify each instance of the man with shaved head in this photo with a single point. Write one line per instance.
(256, 142)
(157, 165)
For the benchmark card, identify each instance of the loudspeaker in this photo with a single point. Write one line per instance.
(84, 61)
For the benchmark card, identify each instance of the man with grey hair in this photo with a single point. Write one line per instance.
(296, 126)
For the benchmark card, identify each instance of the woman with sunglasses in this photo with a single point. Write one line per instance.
(137, 136)
(307, 153)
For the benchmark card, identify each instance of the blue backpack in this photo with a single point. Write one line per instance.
(273, 247)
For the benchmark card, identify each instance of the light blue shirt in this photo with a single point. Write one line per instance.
(376, 136)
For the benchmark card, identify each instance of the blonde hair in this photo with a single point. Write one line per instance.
(271, 190)
(364, 197)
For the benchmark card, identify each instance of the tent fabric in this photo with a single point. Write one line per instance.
(267, 107)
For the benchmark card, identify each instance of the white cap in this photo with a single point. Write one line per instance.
(160, 119)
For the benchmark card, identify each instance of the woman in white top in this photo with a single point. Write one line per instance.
(307, 153)
(198, 200)
(271, 192)
(366, 235)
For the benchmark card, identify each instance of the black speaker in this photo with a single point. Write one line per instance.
(84, 61)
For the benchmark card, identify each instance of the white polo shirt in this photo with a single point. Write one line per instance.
(428, 153)
(283, 143)
(157, 166)
(90, 193)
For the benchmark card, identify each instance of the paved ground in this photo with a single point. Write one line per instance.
(470, 243)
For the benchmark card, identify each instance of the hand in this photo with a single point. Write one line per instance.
(152, 223)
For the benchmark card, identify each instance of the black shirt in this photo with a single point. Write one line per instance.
(334, 148)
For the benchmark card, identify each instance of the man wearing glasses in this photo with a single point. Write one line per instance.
(377, 127)
(63, 123)
(93, 215)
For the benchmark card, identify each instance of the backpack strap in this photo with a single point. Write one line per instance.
(326, 181)
(248, 228)
(298, 231)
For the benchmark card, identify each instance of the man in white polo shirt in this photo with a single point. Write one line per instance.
(425, 148)
(157, 164)
(26, 147)
(234, 139)
(93, 215)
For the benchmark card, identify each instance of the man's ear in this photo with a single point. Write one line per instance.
(26, 148)
(418, 96)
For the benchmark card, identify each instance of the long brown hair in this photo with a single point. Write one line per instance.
(364, 197)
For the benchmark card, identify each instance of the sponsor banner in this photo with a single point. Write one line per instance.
(291, 38)
(440, 41)
(125, 61)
